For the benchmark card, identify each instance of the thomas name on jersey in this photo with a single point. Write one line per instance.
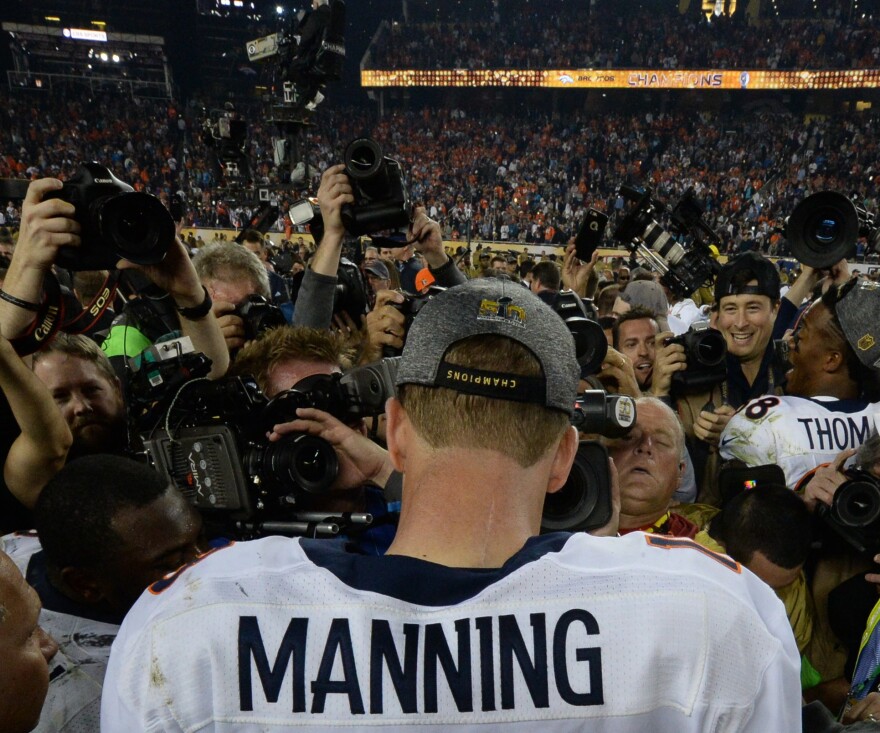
(416, 668)
(837, 433)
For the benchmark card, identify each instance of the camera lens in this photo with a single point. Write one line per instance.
(363, 159)
(300, 461)
(584, 501)
(709, 348)
(823, 229)
(827, 230)
(138, 225)
(857, 503)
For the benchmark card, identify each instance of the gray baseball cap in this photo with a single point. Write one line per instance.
(489, 306)
(858, 311)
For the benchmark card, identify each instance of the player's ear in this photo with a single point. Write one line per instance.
(563, 460)
(398, 433)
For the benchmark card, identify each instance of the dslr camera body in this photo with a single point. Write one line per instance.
(705, 350)
(584, 501)
(381, 199)
(116, 221)
(854, 513)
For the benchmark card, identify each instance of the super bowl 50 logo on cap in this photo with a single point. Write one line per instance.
(866, 342)
(502, 310)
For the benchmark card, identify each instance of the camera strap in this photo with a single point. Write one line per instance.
(47, 321)
(51, 317)
(89, 316)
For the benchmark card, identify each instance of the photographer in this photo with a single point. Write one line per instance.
(481, 428)
(231, 275)
(314, 306)
(48, 225)
(281, 359)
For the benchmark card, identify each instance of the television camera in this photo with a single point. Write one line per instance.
(680, 253)
(209, 439)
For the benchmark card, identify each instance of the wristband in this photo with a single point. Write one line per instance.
(27, 305)
(197, 312)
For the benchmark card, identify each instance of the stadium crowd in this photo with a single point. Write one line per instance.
(645, 39)
(522, 178)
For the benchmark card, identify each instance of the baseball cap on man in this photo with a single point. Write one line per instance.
(764, 272)
(378, 269)
(857, 310)
(488, 306)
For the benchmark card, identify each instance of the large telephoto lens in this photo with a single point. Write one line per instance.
(823, 229)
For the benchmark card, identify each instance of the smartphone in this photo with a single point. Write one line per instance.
(589, 236)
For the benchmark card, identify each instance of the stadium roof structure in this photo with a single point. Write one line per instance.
(44, 56)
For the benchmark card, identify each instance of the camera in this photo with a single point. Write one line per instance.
(351, 294)
(854, 513)
(705, 349)
(410, 308)
(584, 501)
(117, 222)
(590, 344)
(258, 316)
(683, 269)
(381, 199)
(211, 443)
(824, 228)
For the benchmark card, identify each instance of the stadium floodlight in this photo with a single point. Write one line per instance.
(279, 9)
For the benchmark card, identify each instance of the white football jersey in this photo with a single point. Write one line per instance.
(797, 433)
(574, 633)
(76, 672)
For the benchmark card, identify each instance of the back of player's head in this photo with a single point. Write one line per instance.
(772, 520)
(488, 365)
(74, 513)
(854, 307)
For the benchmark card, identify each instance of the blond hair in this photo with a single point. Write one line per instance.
(445, 418)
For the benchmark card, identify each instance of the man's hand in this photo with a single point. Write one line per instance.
(334, 192)
(386, 325)
(575, 273)
(710, 424)
(231, 326)
(360, 459)
(45, 226)
(618, 374)
(668, 359)
(826, 480)
(865, 709)
(175, 274)
(428, 239)
(612, 527)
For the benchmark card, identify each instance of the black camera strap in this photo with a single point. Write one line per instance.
(52, 313)
(89, 316)
(47, 321)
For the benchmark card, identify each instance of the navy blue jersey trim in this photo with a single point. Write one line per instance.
(417, 581)
(842, 405)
